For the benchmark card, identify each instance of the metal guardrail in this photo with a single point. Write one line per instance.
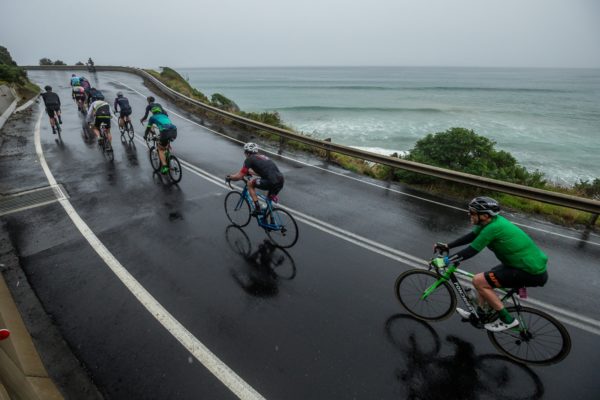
(545, 196)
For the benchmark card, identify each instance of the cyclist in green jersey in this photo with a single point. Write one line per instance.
(522, 262)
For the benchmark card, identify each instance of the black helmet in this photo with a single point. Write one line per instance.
(119, 94)
(150, 99)
(484, 205)
(48, 88)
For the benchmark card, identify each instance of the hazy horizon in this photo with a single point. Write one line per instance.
(279, 33)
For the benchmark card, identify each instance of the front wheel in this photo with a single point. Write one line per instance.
(410, 290)
(539, 339)
(154, 158)
(281, 227)
(237, 209)
(175, 171)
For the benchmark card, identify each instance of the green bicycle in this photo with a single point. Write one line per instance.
(429, 295)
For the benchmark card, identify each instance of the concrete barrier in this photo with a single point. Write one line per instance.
(8, 103)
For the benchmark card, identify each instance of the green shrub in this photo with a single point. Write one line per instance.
(462, 150)
(46, 61)
(588, 189)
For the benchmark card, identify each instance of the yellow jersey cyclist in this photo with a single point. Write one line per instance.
(522, 262)
(168, 132)
(269, 176)
(99, 113)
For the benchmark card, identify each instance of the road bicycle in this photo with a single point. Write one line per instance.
(104, 143)
(56, 128)
(127, 127)
(175, 170)
(430, 295)
(278, 223)
(80, 101)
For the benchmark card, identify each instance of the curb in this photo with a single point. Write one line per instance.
(22, 373)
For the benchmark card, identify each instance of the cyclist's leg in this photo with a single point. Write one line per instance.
(58, 114)
(163, 142)
(96, 127)
(484, 283)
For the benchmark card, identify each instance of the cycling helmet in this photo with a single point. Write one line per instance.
(73, 75)
(156, 110)
(251, 148)
(150, 99)
(48, 88)
(119, 94)
(484, 205)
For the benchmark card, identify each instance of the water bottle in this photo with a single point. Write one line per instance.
(523, 293)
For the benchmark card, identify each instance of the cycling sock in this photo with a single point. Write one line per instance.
(505, 316)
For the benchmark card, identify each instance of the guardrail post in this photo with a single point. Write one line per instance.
(593, 220)
(281, 144)
(327, 151)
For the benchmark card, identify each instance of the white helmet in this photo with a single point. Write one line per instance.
(251, 148)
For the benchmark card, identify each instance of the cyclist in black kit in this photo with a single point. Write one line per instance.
(269, 176)
(52, 103)
(122, 102)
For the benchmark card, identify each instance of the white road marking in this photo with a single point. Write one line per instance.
(363, 181)
(217, 367)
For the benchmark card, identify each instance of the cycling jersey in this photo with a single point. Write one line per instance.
(262, 166)
(152, 105)
(123, 104)
(96, 95)
(78, 90)
(99, 109)
(161, 121)
(84, 83)
(51, 100)
(510, 244)
(75, 81)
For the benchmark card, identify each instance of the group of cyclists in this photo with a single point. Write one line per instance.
(523, 264)
(92, 101)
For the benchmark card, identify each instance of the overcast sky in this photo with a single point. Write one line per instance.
(237, 33)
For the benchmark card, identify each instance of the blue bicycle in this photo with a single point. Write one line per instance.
(279, 225)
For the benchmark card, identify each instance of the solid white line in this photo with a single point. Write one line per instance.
(361, 180)
(217, 367)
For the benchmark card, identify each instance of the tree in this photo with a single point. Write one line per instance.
(79, 63)
(5, 57)
(462, 150)
(59, 62)
(45, 61)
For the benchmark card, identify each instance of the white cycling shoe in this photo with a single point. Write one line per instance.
(463, 313)
(499, 326)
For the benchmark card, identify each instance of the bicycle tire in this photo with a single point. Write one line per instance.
(237, 209)
(107, 148)
(411, 284)
(522, 348)
(130, 131)
(286, 235)
(175, 171)
(149, 140)
(154, 158)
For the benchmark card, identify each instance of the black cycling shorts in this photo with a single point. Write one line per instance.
(125, 113)
(102, 120)
(50, 110)
(502, 276)
(167, 135)
(273, 186)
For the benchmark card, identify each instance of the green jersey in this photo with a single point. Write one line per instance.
(511, 245)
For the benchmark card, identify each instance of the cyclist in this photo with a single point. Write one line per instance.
(522, 262)
(168, 132)
(122, 102)
(150, 106)
(79, 95)
(94, 95)
(52, 103)
(99, 112)
(269, 176)
(90, 64)
(75, 82)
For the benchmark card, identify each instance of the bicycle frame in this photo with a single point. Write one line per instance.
(276, 225)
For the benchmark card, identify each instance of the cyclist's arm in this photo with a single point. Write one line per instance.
(464, 254)
(461, 241)
(116, 106)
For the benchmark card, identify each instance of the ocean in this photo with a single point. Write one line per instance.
(548, 119)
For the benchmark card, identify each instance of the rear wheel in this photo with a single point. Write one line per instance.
(154, 158)
(237, 209)
(539, 339)
(130, 132)
(282, 228)
(438, 305)
(175, 171)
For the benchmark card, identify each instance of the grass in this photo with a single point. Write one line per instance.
(454, 191)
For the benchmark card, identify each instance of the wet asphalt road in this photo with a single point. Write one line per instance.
(322, 324)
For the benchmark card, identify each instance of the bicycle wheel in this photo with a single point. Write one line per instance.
(154, 158)
(149, 141)
(108, 150)
(237, 209)
(539, 340)
(58, 130)
(175, 171)
(410, 287)
(130, 131)
(286, 232)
